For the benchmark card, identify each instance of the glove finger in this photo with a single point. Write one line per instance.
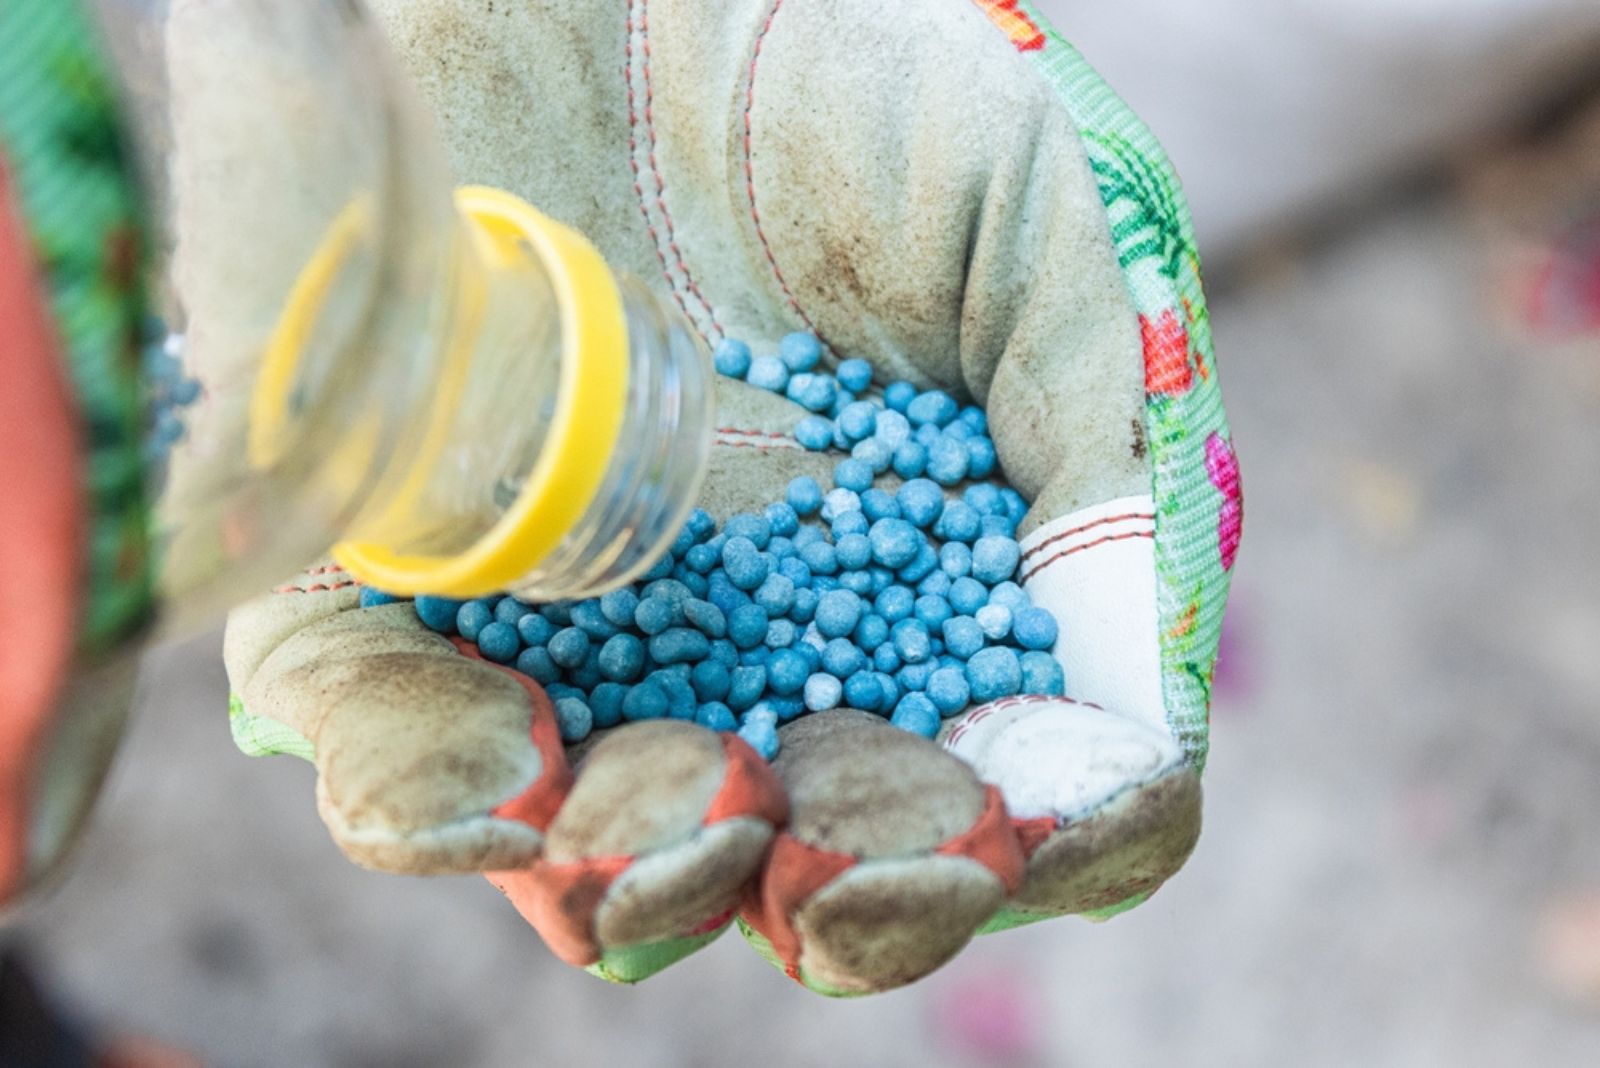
(894, 855)
(1105, 806)
(652, 849)
(428, 761)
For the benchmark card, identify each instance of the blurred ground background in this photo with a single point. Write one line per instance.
(1400, 865)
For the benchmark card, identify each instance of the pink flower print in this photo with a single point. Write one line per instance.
(1223, 467)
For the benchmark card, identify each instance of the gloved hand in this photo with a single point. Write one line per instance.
(946, 189)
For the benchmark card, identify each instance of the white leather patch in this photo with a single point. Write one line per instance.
(1052, 756)
(1095, 572)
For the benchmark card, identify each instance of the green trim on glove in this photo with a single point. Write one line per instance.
(634, 964)
(763, 948)
(1009, 919)
(1194, 479)
(259, 736)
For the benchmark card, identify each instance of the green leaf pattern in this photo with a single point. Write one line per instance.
(1151, 230)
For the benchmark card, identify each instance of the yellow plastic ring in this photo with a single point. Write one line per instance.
(590, 402)
(271, 426)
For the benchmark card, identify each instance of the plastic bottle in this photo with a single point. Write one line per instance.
(451, 390)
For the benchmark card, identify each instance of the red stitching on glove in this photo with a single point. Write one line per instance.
(1011, 702)
(671, 241)
(754, 433)
(769, 440)
(317, 588)
(750, 179)
(753, 445)
(1086, 527)
(1063, 554)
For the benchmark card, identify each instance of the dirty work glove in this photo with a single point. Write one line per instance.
(946, 189)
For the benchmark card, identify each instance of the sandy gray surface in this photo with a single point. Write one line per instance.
(1406, 767)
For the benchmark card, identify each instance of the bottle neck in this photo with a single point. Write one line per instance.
(436, 389)
(525, 418)
(535, 424)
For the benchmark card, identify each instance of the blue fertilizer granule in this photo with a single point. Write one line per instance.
(901, 602)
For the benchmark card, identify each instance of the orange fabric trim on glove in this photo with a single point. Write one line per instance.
(538, 804)
(1032, 833)
(992, 842)
(750, 788)
(797, 871)
(560, 899)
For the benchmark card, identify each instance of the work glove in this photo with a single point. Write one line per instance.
(946, 189)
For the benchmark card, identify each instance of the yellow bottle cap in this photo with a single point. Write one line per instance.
(589, 405)
(590, 399)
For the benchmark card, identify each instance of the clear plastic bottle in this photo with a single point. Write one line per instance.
(452, 391)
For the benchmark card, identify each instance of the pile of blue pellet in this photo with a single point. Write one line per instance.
(169, 391)
(901, 603)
